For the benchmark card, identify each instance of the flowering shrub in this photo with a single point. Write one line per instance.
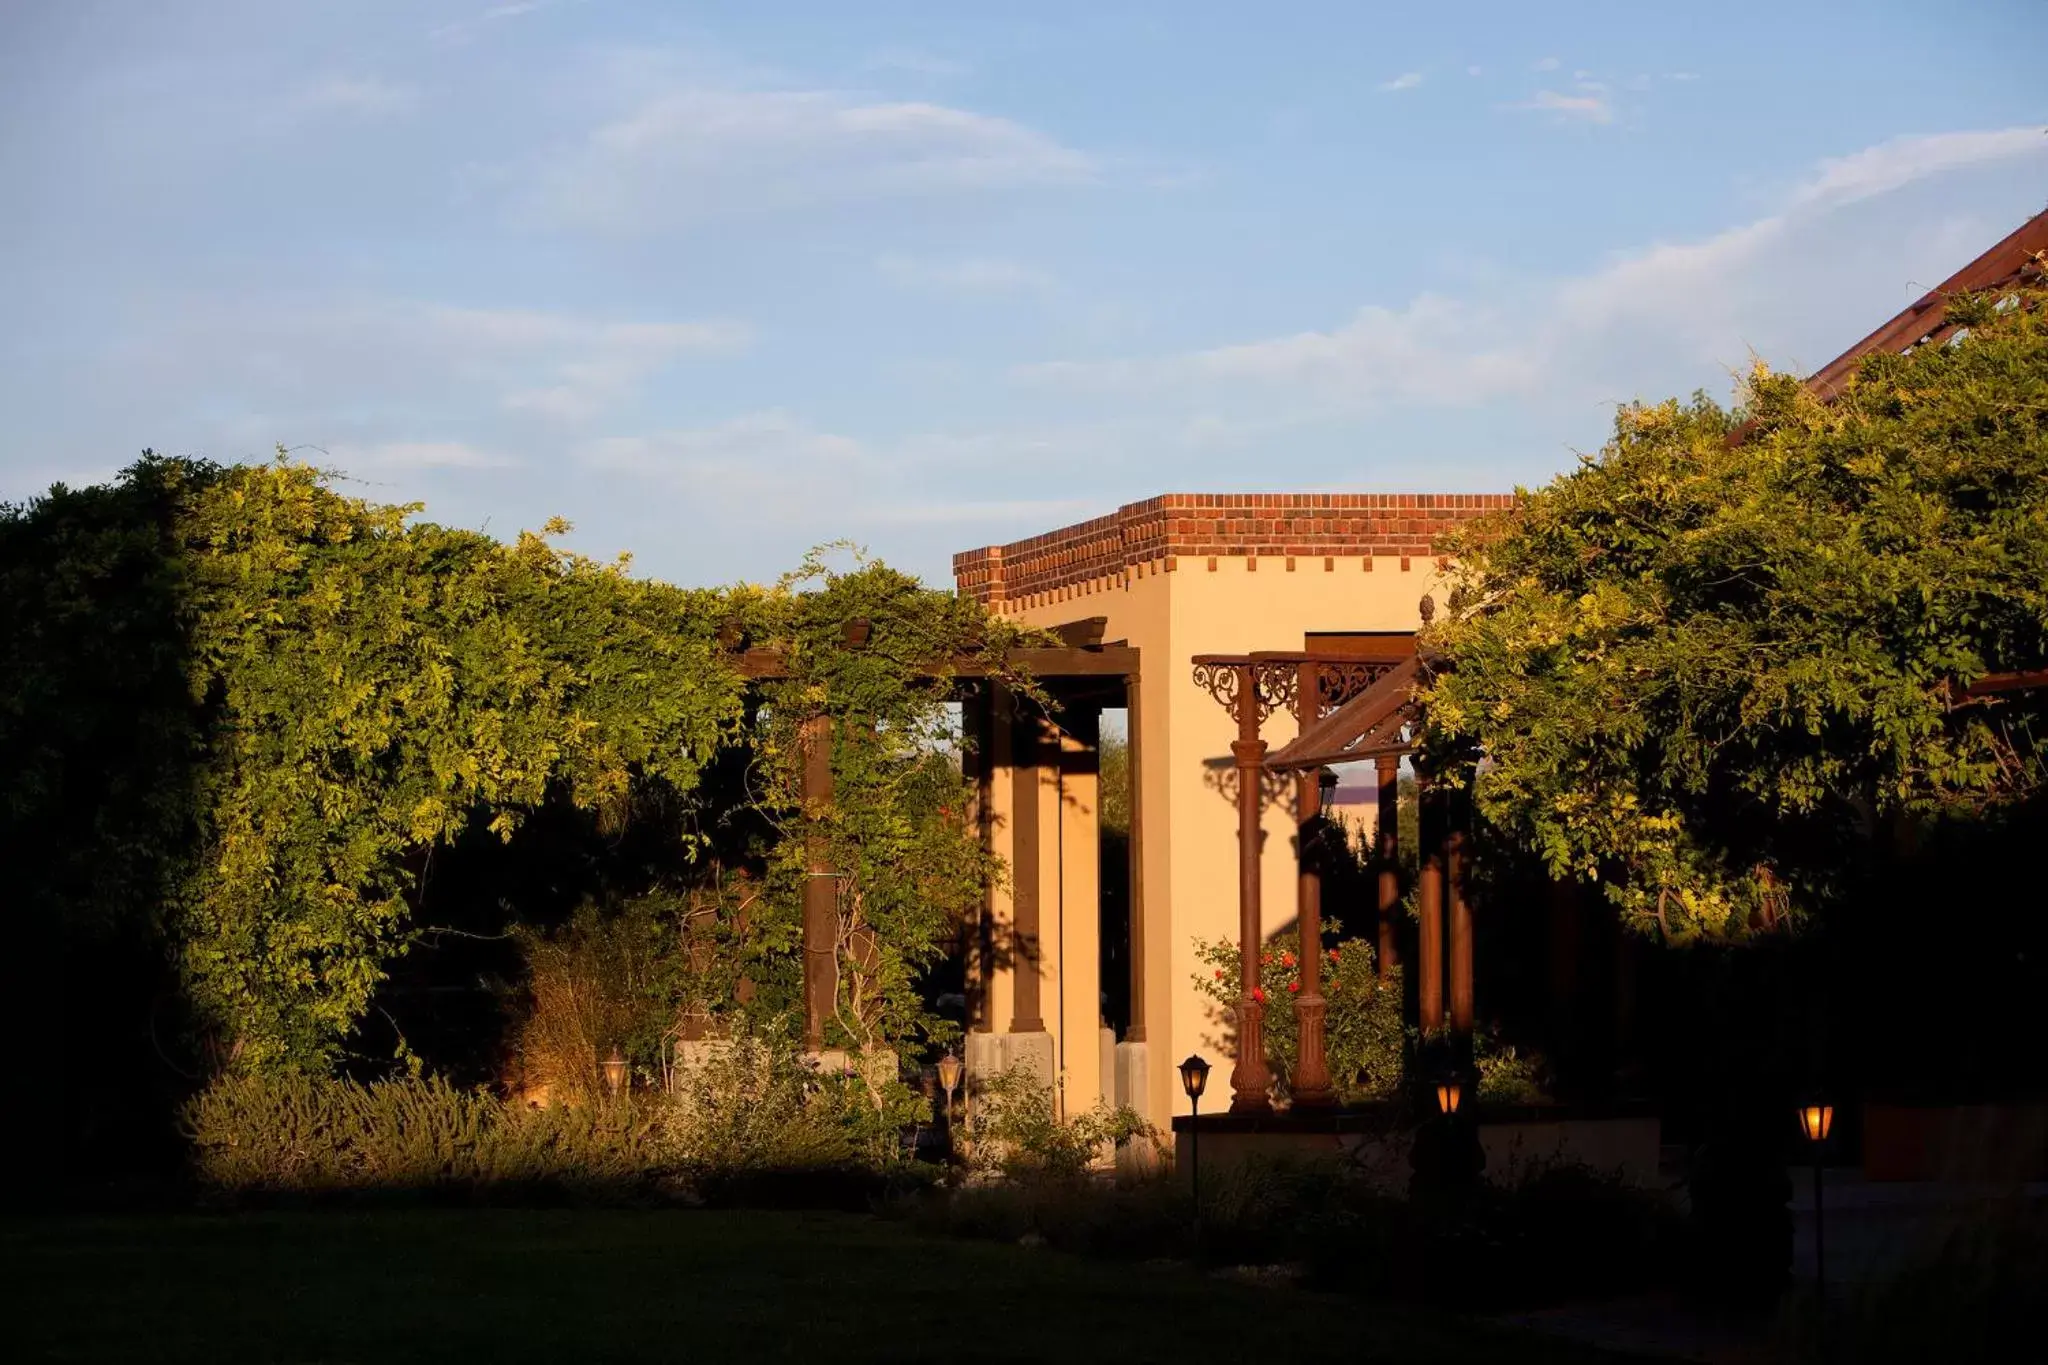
(1363, 1036)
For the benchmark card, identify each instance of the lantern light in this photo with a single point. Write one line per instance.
(1816, 1121)
(949, 1072)
(1449, 1095)
(615, 1071)
(1194, 1076)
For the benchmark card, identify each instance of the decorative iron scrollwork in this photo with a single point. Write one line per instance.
(1220, 681)
(1337, 683)
(1277, 684)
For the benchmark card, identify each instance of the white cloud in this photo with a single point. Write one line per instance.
(1547, 64)
(1681, 75)
(1681, 305)
(1407, 80)
(693, 154)
(1891, 165)
(1589, 103)
(917, 62)
(366, 96)
(973, 275)
(1475, 71)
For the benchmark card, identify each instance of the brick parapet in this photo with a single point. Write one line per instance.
(1159, 531)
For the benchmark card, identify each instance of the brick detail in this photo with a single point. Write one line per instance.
(1212, 525)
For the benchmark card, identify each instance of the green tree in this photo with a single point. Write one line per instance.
(1713, 664)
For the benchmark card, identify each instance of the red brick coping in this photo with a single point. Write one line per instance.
(1160, 531)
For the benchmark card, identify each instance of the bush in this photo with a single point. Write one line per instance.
(1364, 1038)
(293, 1133)
(1014, 1128)
(752, 1125)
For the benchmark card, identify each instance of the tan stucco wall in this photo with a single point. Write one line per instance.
(1190, 827)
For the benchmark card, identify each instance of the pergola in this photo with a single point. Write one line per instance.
(1347, 710)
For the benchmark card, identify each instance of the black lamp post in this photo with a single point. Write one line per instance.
(1816, 1121)
(1194, 1078)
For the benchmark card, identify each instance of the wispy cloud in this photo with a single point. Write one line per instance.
(693, 154)
(917, 62)
(463, 30)
(1589, 103)
(1690, 302)
(1407, 80)
(367, 96)
(1547, 64)
(1475, 71)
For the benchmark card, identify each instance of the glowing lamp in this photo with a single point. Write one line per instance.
(949, 1072)
(1815, 1120)
(1449, 1095)
(1194, 1077)
(615, 1071)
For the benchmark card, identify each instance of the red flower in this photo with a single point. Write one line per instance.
(1333, 955)
(1259, 994)
(1334, 985)
(1287, 959)
(1266, 958)
(1219, 973)
(1293, 986)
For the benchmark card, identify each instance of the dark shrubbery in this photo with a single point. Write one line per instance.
(1562, 1231)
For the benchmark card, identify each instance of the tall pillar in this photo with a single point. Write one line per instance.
(1249, 1079)
(1071, 924)
(978, 723)
(1026, 856)
(821, 900)
(1311, 1081)
(1457, 810)
(1388, 844)
(1429, 900)
(1134, 802)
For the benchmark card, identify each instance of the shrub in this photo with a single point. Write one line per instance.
(293, 1133)
(1364, 1039)
(1015, 1128)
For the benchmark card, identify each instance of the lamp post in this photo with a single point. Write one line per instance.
(615, 1071)
(1194, 1078)
(1816, 1120)
(1450, 1093)
(949, 1078)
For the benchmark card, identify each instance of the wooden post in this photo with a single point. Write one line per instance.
(1249, 1078)
(1388, 842)
(1027, 748)
(1430, 905)
(821, 899)
(1135, 844)
(1311, 1081)
(1456, 810)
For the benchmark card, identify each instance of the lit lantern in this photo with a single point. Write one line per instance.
(1815, 1120)
(1194, 1077)
(1449, 1095)
(615, 1071)
(949, 1073)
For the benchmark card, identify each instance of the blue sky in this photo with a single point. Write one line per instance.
(719, 283)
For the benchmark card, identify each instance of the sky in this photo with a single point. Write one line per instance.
(719, 283)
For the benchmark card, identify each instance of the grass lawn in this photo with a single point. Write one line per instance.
(494, 1285)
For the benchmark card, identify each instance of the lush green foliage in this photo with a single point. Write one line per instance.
(379, 684)
(1364, 1039)
(907, 863)
(1709, 666)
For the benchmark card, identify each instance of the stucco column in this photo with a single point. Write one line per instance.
(1072, 920)
(1458, 807)
(1026, 950)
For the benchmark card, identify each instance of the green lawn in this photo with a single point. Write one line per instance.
(577, 1285)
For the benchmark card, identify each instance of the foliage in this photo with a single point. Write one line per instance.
(1364, 1039)
(1558, 1232)
(290, 1132)
(756, 1106)
(1014, 1127)
(1710, 666)
(1507, 1074)
(871, 657)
